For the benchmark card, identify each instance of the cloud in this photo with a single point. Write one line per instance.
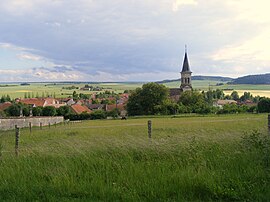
(29, 57)
(112, 40)
(179, 3)
(13, 47)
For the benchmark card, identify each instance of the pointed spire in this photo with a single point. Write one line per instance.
(186, 63)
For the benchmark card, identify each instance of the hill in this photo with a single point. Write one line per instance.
(253, 79)
(202, 78)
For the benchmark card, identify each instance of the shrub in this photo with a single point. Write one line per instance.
(264, 105)
(49, 111)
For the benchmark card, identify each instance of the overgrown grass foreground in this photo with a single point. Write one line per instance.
(220, 158)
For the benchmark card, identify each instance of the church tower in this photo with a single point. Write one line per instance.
(186, 74)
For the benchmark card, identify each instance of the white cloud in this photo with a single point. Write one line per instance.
(133, 40)
(14, 47)
(255, 11)
(179, 3)
(29, 57)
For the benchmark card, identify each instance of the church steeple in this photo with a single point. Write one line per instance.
(185, 63)
(186, 74)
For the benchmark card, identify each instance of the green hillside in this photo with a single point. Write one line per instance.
(208, 158)
(253, 79)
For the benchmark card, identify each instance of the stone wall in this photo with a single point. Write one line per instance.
(9, 123)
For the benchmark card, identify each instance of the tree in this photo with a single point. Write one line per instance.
(63, 111)
(143, 101)
(246, 96)
(5, 98)
(98, 114)
(95, 101)
(219, 94)
(37, 111)
(13, 110)
(114, 113)
(49, 111)
(75, 95)
(235, 95)
(194, 102)
(264, 105)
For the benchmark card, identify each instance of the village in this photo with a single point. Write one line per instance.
(94, 102)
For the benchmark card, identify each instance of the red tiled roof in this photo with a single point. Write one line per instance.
(5, 105)
(223, 102)
(121, 107)
(78, 109)
(50, 101)
(33, 101)
(124, 95)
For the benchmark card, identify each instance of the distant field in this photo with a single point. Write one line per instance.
(261, 90)
(19, 91)
(49, 89)
(197, 84)
(211, 158)
(262, 93)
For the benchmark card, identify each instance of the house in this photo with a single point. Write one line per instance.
(120, 107)
(79, 109)
(97, 106)
(249, 103)
(34, 102)
(221, 103)
(5, 105)
(67, 101)
(41, 102)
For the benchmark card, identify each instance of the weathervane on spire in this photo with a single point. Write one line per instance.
(185, 48)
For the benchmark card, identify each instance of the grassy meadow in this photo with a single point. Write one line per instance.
(261, 90)
(51, 89)
(204, 158)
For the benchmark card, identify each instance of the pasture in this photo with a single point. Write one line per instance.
(59, 89)
(56, 89)
(203, 158)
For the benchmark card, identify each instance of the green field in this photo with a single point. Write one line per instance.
(211, 158)
(261, 90)
(18, 91)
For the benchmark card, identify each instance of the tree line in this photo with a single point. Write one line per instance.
(153, 99)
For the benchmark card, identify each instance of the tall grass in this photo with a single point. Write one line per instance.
(199, 159)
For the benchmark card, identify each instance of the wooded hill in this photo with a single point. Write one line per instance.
(252, 79)
(200, 78)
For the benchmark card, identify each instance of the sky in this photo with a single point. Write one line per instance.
(131, 40)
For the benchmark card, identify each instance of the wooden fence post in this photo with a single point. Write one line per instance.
(269, 123)
(49, 125)
(40, 125)
(30, 127)
(150, 129)
(17, 136)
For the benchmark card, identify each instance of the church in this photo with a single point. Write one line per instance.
(185, 80)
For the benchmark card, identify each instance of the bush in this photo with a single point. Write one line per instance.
(63, 111)
(114, 113)
(99, 114)
(37, 111)
(49, 111)
(2, 113)
(264, 105)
